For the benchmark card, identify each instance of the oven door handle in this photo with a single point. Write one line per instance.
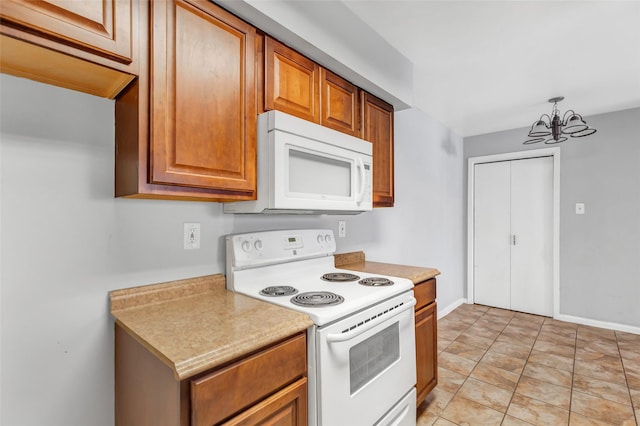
(341, 337)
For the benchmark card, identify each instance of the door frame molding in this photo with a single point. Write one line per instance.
(519, 155)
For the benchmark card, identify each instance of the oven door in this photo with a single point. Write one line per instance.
(366, 363)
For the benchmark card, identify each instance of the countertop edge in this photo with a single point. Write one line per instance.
(356, 261)
(140, 312)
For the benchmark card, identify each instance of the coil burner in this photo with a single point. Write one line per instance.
(375, 281)
(340, 277)
(317, 299)
(278, 290)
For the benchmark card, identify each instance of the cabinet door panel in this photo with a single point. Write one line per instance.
(426, 351)
(378, 129)
(203, 98)
(339, 104)
(99, 26)
(286, 408)
(292, 82)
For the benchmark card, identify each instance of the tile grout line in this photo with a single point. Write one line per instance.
(626, 381)
(466, 378)
(573, 372)
(454, 394)
(522, 373)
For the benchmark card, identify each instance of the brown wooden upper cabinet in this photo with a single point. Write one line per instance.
(298, 86)
(377, 128)
(201, 141)
(81, 45)
(291, 81)
(339, 104)
(99, 26)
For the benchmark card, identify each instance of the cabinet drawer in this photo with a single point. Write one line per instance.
(425, 293)
(222, 393)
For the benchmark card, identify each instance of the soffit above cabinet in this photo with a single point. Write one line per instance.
(333, 36)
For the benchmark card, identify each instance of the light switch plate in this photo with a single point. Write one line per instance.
(579, 208)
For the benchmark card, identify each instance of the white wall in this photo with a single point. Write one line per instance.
(600, 250)
(66, 242)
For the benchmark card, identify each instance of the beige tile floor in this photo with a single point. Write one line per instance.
(499, 367)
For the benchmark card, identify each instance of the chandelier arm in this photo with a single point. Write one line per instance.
(552, 141)
(540, 127)
(566, 116)
(586, 132)
(532, 141)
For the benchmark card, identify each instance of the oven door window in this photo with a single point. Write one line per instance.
(371, 357)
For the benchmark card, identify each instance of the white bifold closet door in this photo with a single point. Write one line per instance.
(513, 235)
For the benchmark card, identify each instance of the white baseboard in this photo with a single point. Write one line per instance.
(442, 312)
(601, 324)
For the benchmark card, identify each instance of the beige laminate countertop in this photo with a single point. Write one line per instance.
(356, 261)
(196, 324)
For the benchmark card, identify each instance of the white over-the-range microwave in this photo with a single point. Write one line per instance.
(305, 168)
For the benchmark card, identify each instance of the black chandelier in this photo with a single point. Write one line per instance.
(551, 129)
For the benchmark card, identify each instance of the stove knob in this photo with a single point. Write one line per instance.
(246, 246)
(258, 245)
(320, 239)
(327, 238)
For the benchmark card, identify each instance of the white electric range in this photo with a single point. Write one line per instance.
(361, 348)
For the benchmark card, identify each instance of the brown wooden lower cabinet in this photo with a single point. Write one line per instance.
(268, 387)
(286, 408)
(426, 338)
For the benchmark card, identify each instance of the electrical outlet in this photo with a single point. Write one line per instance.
(191, 236)
(342, 228)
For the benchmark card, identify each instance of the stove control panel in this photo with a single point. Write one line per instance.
(293, 242)
(269, 247)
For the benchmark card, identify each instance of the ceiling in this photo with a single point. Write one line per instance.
(485, 66)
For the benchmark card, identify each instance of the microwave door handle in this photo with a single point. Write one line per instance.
(363, 183)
